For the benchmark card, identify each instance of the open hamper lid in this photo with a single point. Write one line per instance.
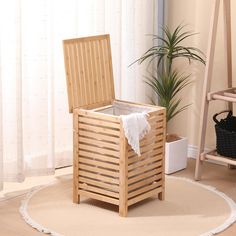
(89, 74)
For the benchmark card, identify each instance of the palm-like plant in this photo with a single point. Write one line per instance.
(167, 82)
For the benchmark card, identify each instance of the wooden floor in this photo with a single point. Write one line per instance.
(224, 179)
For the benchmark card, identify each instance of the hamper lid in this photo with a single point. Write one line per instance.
(89, 74)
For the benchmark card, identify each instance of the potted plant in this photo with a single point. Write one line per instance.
(167, 82)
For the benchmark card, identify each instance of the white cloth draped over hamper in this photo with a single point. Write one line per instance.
(135, 127)
(35, 127)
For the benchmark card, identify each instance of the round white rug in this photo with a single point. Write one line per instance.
(189, 209)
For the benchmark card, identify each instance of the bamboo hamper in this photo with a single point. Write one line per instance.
(104, 165)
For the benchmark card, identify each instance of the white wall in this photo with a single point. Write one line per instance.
(196, 14)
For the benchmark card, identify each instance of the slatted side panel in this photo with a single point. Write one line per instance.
(88, 65)
(99, 147)
(145, 173)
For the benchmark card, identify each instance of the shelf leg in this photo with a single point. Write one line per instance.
(206, 88)
(228, 50)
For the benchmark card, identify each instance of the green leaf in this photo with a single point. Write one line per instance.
(166, 82)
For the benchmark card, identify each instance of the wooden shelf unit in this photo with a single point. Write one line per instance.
(228, 95)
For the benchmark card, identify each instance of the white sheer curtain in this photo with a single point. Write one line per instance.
(35, 126)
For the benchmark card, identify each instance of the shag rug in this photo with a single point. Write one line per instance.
(189, 209)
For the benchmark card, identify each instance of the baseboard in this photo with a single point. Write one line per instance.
(192, 151)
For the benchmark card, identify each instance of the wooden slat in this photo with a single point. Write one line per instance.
(80, 82)
(224, 98)
(68, 77)
(99, 129)
(101, 109)
(87, 187)
(156, 118)
(148, 154)
(98, 177)
(144, 196)
(153, 133)
(82, 77)
(212, 156)
(73, 67)
(144, 162)
(96, 104)
(94, 69)
(144, 182)
(145, 175)
(233, 95)
(144, 189)
(90, 67)
(99, 136)
(145, 168)
(101, 116)
(220, 92)
(98, 156)
(157, 124)
(109, 67)
(150, 146)
(104, 68)
(98, 163)
(160, 131)
(84, 119)
(99, 183)
(99, 197)
(98, 170)
(149, 140)
(98, 150)
(99, 143)
(100, 72)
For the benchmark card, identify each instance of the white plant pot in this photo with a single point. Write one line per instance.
(176, 155)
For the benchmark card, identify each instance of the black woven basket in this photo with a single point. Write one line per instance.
(226, 135)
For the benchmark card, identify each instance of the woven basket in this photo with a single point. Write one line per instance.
(226, 135)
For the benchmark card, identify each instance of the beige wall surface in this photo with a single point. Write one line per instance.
(197, 14)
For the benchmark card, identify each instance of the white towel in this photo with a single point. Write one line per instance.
(135, 127)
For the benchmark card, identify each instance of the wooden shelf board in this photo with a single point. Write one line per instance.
(214, 156)
(228, 95)
(223, 98)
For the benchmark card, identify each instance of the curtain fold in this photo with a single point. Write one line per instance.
(35, 126)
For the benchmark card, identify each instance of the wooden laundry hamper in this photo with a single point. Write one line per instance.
(104, 166)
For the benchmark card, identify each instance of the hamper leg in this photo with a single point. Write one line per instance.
(123, 181)
(76, 197)
(123, 210)
(123, 196)
(161, 195)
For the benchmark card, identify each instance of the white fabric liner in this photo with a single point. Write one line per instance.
(119, 109)
(134, 119)
(231, 219)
